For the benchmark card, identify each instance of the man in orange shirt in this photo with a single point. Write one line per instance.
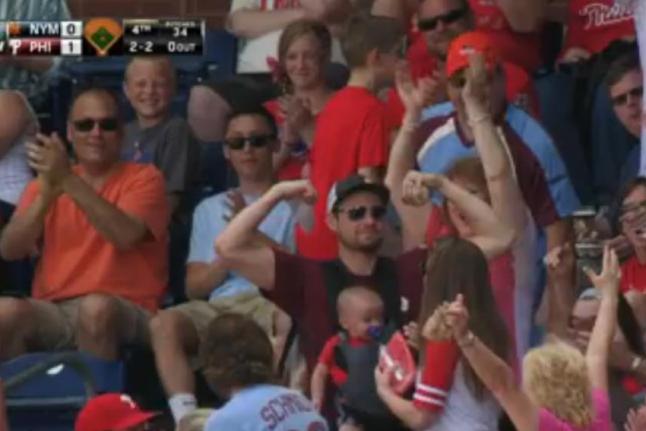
(101, 229)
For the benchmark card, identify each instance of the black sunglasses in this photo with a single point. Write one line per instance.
(109, 124)
(253, 141)
(359, 213)
(622, 99)
(429, 24)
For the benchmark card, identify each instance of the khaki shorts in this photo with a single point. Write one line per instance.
(57, 322)
(251, 304)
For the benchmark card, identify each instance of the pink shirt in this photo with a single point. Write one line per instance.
(602, 422)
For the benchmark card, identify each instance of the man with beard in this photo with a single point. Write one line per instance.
(307, 289)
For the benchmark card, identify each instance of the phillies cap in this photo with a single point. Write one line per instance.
(353, 184)
(467, 44)
(111, 412)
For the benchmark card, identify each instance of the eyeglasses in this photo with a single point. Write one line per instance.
(359, 213)
(429, 24)
(109, 124)
(253, 141)
(622, 99)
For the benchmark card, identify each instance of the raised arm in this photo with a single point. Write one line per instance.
(238, 244)
(252, 23)
(604, 327)
(490, 235)
(402, 158)
(496, 375)
(560, 294)
(524, 16)
(506, 198)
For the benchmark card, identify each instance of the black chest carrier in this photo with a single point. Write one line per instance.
(359, 392)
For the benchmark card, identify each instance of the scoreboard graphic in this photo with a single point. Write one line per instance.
(101, 37)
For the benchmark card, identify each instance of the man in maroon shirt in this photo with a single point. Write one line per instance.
(306, 288)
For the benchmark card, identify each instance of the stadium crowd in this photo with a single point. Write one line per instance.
(414, 167)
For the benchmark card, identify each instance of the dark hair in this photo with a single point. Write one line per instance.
(235, 353)
(620, 66)
(457, 266)
(255, 110)
(363, 33)
(299, 29)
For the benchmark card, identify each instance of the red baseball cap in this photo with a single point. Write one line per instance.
(469, 43)
(111, 412)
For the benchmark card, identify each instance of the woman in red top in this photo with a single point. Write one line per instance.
(303, 54)
(593, 24)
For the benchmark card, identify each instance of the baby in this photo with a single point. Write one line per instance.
(350, 357)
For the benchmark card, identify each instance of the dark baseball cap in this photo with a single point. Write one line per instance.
(351, 185)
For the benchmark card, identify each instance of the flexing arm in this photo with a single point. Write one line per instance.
(237, 244)
(604, 327)
(402, 158)
(490, 235)
(524, 16)
(493, 371)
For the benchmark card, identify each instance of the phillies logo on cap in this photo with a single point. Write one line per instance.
(601, 14)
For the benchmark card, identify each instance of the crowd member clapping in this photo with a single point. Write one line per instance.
(103, 225)
(303, 54)
(177, 332)
(562, 389)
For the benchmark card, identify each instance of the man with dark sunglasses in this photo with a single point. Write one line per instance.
(617, 162)
(307, 289)
(101, 228)
(250, 144)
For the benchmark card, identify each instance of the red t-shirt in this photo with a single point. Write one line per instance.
(594, 24)
(522, 49)
(351, 133)
(633, 276)
(300, 289)
(292, 168)
(328, 358)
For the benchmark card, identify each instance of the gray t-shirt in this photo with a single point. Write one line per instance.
(170, 146)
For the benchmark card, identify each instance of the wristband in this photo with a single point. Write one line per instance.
(637, 362)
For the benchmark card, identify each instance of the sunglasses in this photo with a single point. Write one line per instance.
(622, 99)
(110, 124)
(429, 24)
(253, 141)
(359, 213)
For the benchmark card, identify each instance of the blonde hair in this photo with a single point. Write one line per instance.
(555, 377)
